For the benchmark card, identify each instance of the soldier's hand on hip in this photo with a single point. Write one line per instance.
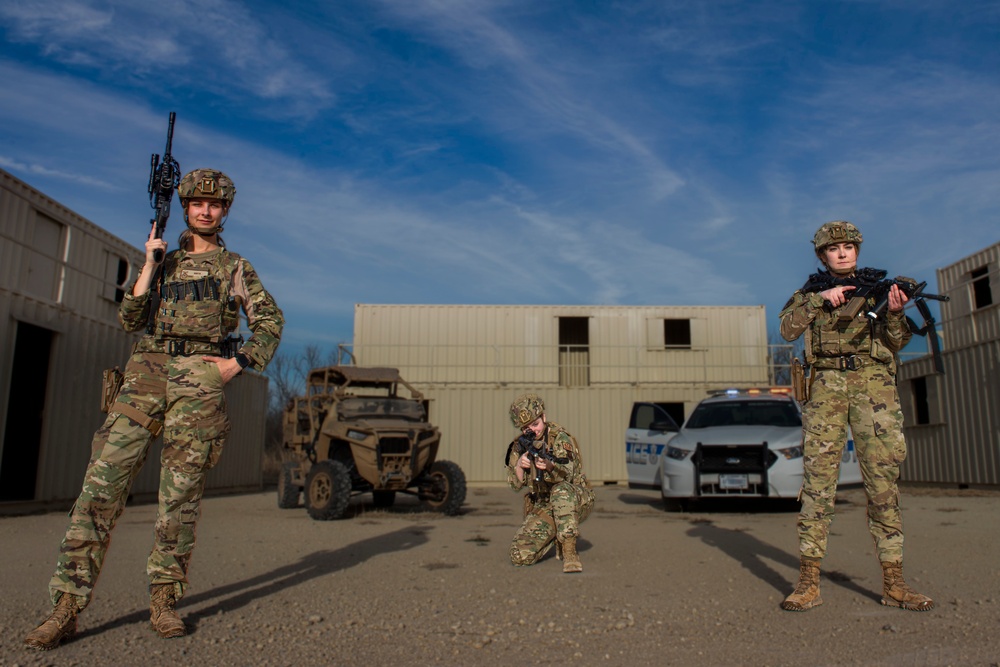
(228, 368)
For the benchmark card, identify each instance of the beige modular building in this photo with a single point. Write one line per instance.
(953, 419)
(589, 364)
(61, 280)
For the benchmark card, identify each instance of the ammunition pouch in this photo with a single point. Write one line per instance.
(111, 384)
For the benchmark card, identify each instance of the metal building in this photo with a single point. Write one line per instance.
(589, 364)
(953, 420)
(61, 280)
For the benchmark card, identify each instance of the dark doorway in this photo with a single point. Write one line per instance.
(22, 438)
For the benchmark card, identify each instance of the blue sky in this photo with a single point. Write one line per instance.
(516, 152)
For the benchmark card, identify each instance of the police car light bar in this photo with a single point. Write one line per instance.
(751, 391)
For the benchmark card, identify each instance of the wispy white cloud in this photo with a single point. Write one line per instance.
(37, 169)
(210, 45)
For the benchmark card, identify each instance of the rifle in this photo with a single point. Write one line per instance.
(872, 283)
(536, 449)
(164, 177)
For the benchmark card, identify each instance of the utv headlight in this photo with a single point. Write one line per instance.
(677, 453)
(356, 435)
(792, 452)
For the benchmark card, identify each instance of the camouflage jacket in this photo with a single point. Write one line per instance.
(829, 336)
(563, 447)
(200, 298)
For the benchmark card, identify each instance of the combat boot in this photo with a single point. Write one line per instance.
(60, 625)
(806, 593)
(162, 616)
(571, 560)
(896, 592)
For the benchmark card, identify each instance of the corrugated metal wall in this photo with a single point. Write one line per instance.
(962, 323)
(961, 445)
(59, 271)
(472, 361)
(476, 429)
(960, 439)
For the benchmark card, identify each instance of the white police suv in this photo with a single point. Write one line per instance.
(744, 443)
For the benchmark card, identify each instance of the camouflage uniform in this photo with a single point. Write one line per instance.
(557, 505)
(865, 399)
(167, 384)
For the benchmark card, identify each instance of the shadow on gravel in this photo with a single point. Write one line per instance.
(751, 552)
(317, 564)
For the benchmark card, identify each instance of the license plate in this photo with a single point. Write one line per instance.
(733, 482)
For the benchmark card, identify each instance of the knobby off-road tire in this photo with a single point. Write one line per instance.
(288, 491)
(328, 490)
(447, 492)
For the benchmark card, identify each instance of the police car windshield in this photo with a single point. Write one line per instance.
(745, 413)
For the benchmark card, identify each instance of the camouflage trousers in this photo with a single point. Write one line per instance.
(558, 518)
(865, 399)
(186, 393)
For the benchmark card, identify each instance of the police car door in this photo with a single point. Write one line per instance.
(650, 429)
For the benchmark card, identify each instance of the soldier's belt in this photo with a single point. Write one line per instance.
(846, 362)
(178, 347)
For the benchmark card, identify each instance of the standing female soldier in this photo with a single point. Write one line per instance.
(173, 383)
(853, 383)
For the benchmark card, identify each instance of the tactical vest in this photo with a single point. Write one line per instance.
(829, 336)
(572, 449)
(198, 306)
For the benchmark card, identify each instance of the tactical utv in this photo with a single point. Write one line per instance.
(354, 433)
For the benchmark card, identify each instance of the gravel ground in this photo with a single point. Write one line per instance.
(399, 586)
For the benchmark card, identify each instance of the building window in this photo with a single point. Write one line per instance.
(982, 295)
(116, 272)
(677, 334)
(44, 261)
(921, 406)
(574, 351)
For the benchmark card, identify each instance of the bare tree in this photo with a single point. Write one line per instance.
(287, 379)
(780, 355)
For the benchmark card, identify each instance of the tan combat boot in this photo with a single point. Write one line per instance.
(896, 593)
(162, 616)
(60, 625)
(571, 560)
(806, 593)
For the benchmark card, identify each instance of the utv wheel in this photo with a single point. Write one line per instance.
(288, 491)
(328, 490)
(445, 491)
(383, 499)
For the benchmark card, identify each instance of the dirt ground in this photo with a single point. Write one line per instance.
(273, 587)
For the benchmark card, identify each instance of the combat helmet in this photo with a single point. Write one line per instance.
(526, 409)
(838, 231)
(206, 184)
